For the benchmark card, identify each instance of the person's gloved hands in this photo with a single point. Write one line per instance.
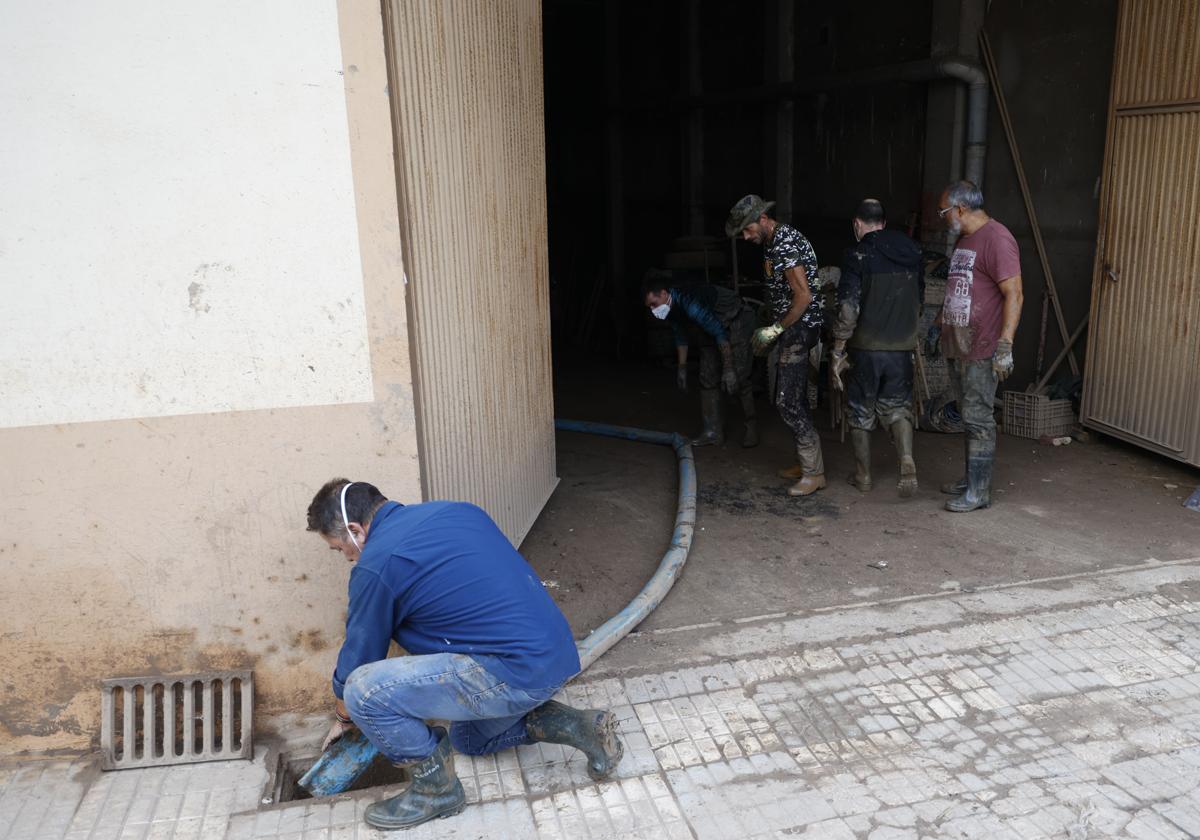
(1002, 360)
(336, 732)
(933, 341)
(764, 337)
(681, 378)
(839, 363)
(729, 381)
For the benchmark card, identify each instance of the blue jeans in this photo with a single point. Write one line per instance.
(390, 701)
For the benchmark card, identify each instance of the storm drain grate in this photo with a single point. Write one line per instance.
(152, 721)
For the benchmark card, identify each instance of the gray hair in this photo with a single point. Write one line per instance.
(964, 194)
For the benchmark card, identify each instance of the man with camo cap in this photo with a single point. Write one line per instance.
(794, 302)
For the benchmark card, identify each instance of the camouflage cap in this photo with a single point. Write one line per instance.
(747, 210)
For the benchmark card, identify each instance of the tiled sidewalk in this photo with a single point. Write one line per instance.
(1054, 717)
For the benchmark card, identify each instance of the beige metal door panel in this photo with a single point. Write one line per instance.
(466, 93)
(1143, 369)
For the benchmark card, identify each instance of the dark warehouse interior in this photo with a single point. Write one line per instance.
(661, 114)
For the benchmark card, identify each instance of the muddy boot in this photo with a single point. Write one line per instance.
(957, 488)
(592, 731)
(813, 466)
(434, 792)
(981, 453)
(750, 438)
(902, 436)
(860, 440)
(710, 414)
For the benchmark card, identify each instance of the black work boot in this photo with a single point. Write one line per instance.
(434, 792)
(750, 438)
(710, 413)
(860, 441)
(592, 731)
(981, 453)
(902, 436)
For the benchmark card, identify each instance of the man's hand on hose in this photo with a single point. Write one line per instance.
(1002, 361)
(764, 337)
(336, 731)
(839, 363)
(681, 378)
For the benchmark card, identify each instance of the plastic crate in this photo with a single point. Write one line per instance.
(1034, 415)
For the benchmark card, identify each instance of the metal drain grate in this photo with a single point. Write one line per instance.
(152, 721)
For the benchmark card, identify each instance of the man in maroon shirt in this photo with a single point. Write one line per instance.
(979, 321)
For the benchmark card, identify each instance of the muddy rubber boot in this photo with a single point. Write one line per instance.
(902, 436)
(860, 441)
(749, 413)
(957, 488)
(713, 433)
(592, 731)
(813, 466)
(434, 792)
(979, 478)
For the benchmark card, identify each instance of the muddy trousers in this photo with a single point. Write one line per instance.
(791, 394)
(880, 388)
(391, 700)
(975, 383)
(740, 330)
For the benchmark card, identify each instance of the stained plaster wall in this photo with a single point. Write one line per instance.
(176, 543)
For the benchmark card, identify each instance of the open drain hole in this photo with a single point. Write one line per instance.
(285, 788)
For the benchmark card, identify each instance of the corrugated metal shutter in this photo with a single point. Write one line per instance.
(466, 81)
(1143, 370)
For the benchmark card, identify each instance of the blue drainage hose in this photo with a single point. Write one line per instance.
(617, 627)
(347, 758)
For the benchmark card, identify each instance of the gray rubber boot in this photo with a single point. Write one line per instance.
(957, 488)
(592, 731)
(813, 465)
(902, 436)
(750, 414)
(435, 792)
(713, 433)
(981, 454)
(860, 441)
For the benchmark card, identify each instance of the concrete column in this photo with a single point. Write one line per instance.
(693, 123)
(785, 115)
(616, 194)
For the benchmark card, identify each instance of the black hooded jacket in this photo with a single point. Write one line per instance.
(881, 293)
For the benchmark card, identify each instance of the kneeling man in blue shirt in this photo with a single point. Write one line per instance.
(487, 646)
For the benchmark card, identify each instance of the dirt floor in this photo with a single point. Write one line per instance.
(1058, 511)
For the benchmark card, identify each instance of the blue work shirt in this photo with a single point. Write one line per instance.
(440, 577)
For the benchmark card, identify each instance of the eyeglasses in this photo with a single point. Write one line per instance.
(942, 213)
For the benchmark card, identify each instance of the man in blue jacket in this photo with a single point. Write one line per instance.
(487, 646)
(722, 325)
(875, 332)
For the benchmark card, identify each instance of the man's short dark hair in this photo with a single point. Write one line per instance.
(870, 212)
(325, 511)
(656, 280)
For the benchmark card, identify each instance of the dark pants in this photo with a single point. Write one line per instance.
(976, 384)
(791, 381)
(740, 329)
(880, 388)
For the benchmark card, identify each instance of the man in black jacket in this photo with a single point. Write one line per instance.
(879, 305)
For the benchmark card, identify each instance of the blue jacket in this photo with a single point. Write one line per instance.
(440, 577)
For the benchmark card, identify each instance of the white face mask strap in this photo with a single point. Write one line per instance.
(345, 519)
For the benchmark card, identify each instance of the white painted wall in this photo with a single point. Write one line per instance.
(177, 216)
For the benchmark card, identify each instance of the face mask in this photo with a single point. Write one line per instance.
(660, 311)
